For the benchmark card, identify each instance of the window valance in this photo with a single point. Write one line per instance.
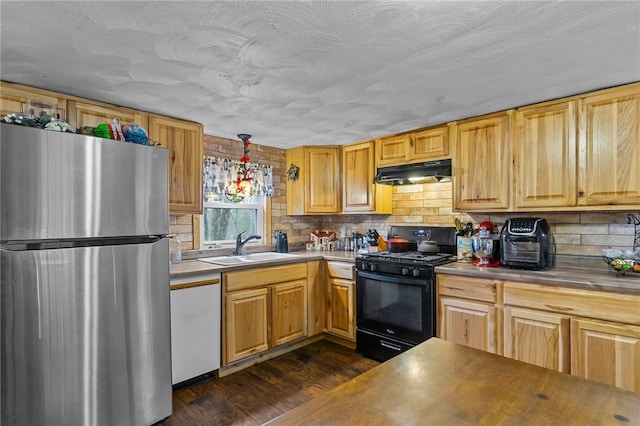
(222, 173)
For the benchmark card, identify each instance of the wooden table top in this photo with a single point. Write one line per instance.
(443, 383)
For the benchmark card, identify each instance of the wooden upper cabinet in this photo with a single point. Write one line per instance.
(429, 144)
(323, 186)
(90, 114)
(609, 141)
(422, 145)
(15, 98)
(183, 140)
(482, 163)
(317, 189)
(392, 150)
(359, 193)
(545, 147)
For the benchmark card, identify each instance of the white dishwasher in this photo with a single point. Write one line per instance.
(195, 326)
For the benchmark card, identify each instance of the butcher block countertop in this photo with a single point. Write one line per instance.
(194, 267)
(442, 383)
(570, 271)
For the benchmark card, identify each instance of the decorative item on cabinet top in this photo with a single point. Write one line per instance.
(43, 121)
(293, 173)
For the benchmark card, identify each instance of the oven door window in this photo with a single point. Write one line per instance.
(397, 307)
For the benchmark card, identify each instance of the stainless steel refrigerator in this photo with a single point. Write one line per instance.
(84, 280)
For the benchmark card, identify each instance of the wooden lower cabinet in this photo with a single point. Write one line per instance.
(540, 338)
(587, 333)
(263, 308)
(467, 313)
(246, 319)
(340, 318)
(468, 323)
(606, 352)
(289, 311)
(341, 303)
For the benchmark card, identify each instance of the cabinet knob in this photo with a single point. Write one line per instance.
(580, 193)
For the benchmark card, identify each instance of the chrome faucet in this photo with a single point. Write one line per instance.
(240, 243)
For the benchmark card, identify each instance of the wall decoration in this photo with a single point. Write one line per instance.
(293, 173)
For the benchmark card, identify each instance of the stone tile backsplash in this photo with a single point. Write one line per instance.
(585, 233)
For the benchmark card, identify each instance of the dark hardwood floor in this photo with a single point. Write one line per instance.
(264, 391)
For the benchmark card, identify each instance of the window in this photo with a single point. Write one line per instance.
(222, 220)
(225, 213)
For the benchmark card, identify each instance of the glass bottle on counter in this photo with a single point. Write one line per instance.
(175, 249)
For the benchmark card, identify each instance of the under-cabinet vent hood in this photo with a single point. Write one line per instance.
(409, 174)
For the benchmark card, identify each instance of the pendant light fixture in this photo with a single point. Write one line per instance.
(241, 188)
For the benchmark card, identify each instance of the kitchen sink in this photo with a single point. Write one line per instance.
(244, 259)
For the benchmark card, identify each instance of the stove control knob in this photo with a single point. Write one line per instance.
(416, 272)
(405, 271)
(373, 267)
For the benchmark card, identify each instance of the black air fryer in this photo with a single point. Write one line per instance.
(527, 243)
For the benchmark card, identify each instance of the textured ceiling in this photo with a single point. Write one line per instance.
(320, 72)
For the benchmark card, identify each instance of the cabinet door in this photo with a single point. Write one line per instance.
(392, 150)
(359, 193)
(358, 169)
(85, 114)
(538, 338)
(15, 98)
(468, 323)
(481, 163)
(322, 180)
(545, 146)
(183, 140)
(429, 144)
(606, 352)
(609, 156)
(245, 324)
(289, 308)
(340, 318)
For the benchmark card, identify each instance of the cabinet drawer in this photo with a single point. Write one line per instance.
(467, 288)
(258, 277)
(584, 303)
(340, 270)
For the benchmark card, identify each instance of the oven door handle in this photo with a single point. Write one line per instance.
(420, 282)
(390, 346)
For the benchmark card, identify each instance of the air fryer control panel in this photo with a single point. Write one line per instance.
(523, 226)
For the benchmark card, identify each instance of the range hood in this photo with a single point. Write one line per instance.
(409, 174)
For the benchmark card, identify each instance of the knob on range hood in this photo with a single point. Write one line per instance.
(409, 174)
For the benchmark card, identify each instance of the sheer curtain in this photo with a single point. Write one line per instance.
(220, 173)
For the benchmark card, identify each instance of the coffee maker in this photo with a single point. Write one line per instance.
(282, 243)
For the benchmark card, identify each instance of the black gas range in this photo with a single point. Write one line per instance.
(406, 264)
(395, 292)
